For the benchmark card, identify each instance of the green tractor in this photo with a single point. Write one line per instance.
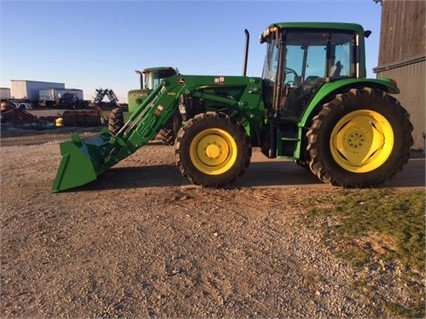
(313, 104)
(149, 79)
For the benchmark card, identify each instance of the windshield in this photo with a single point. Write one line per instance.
(313, 54)
(152, 79)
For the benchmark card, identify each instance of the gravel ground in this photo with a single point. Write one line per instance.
(141, 242)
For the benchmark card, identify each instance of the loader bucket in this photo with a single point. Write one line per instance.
(83, 160)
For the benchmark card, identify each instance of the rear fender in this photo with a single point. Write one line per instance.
(330, 89)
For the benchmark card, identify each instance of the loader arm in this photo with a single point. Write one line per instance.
(85, 159)
(162, 103)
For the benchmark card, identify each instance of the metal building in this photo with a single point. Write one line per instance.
(4, 93)
(29, 90)
(402, 55)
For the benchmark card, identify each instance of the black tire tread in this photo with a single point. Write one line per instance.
(167, 135)
(322, 169)
(115, 121)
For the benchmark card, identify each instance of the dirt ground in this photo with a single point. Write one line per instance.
(141, 242)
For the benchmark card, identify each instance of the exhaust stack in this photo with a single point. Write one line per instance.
(140, 79)
(246, 49)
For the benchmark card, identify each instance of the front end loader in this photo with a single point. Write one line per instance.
(313, 104)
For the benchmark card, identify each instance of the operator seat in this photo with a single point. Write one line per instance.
(336, 69)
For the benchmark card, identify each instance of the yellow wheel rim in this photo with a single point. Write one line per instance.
(362, 141)
(213, 151)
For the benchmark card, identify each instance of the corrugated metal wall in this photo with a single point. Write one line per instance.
(410, 77)
(402, 57)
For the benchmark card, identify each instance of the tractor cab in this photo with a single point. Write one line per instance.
(302, 57)
(153, 76)
(149, 79)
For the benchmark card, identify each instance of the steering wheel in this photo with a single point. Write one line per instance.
(294, 81)
(290, 71)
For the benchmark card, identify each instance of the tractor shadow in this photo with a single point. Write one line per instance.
(166, 175)
(269, 173)
(413, 173)
(137, 177)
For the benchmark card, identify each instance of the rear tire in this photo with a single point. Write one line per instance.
(115, 121)
(212, 150)
(167, 135)
(362, 138)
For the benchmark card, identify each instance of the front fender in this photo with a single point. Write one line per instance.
(329, 89)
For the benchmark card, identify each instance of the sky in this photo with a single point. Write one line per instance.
(99, 44)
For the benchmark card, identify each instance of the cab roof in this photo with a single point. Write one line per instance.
(353, 27)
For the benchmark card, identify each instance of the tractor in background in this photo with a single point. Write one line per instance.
(313, 104)
(149, 79)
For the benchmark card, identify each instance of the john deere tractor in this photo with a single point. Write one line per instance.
(313, 104)
(149, 79)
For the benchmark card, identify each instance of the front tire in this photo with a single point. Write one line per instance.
(362, 138)
(212, 150)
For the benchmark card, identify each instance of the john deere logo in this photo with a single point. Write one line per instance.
(181, 81)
